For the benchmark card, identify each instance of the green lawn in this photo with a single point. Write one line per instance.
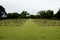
(29, 31)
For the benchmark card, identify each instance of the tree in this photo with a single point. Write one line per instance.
(49, 14)
(46, 14)
(13, 15)
(2, 11)
(37, 16)
(32, 16)
(57, 15)
(24, 14)
(42, 14)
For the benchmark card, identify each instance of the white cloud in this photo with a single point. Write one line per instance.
(32, 6)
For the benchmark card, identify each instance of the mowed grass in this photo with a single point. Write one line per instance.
(30, 31)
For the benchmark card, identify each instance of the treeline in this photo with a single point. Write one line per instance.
(49, 14)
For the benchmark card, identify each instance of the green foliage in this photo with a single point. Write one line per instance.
(57, 15)
(37, 16)
(32, 16)
(42, 14)
(12, 15)
(49, 14)
(24, 14)
(46, 14)
(2, 11)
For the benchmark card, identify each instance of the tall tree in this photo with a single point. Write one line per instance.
(2, 11)
(24, 14)
(57, 15)
(46, 14)
(42, 14)
(49, 14)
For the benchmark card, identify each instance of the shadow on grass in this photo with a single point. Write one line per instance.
(43, 37)
(2, 37)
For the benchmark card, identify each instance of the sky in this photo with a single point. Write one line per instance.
(31, 6)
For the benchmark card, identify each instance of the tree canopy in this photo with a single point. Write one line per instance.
(49, 14)
(57, 15)
(2, 11)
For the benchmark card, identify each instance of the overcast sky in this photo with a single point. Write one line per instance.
(32, 6)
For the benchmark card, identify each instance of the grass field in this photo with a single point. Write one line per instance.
(47, 22)
(30, 30)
